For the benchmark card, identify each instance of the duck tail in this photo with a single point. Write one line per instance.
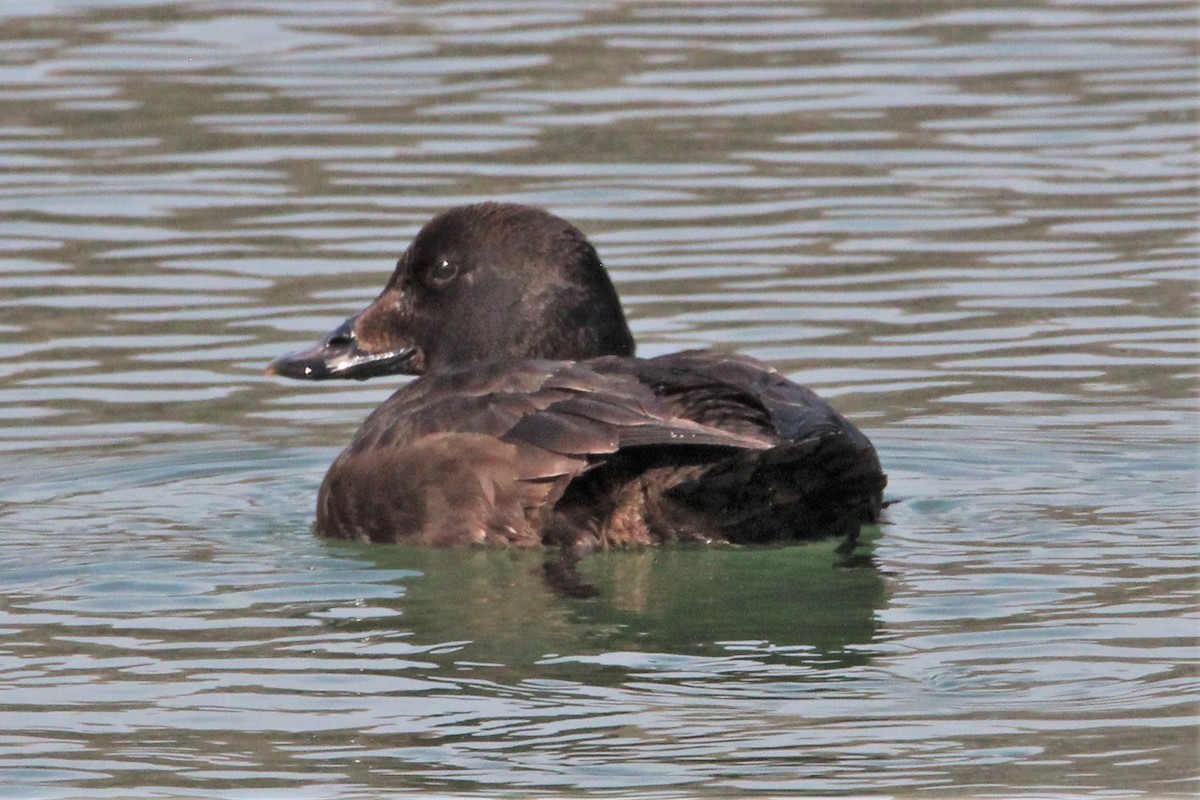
(826, 485)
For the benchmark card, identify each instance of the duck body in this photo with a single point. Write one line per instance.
(533, 424)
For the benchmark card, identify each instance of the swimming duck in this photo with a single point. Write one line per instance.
(532, 422)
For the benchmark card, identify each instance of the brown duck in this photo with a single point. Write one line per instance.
(533, 423)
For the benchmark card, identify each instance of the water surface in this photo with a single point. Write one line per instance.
(972, 227)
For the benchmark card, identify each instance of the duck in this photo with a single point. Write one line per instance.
(531, 423)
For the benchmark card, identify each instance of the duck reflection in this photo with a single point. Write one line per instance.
(517, 607)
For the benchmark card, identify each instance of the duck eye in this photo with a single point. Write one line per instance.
(443, 272)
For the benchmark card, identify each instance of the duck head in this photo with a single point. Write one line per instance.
(486, 281)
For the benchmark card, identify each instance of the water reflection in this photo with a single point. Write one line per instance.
(510, 608)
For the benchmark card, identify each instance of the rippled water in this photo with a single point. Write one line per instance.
(973, 226)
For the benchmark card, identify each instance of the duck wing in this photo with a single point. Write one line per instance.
(561, 407)
(514, 433)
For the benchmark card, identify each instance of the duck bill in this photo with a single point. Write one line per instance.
(340, 355)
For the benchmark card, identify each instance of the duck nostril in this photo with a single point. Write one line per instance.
(343, 335)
